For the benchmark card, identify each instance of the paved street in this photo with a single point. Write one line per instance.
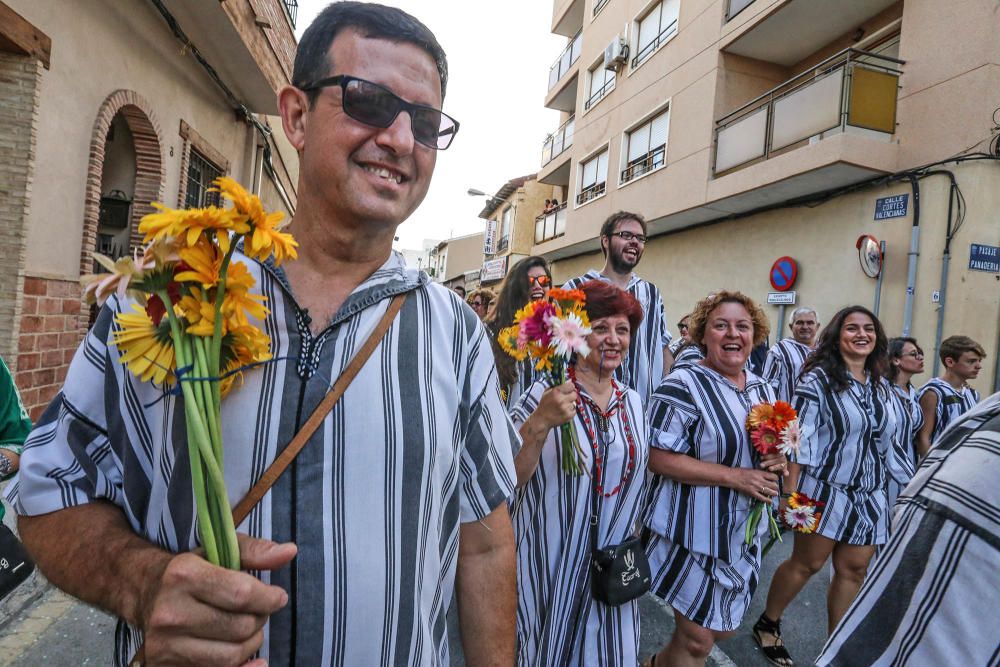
(57, 631)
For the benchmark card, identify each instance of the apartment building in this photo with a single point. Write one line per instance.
(105, 107)
(750, 130)
(457, 261)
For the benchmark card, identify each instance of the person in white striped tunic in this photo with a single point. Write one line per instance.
(559, 622)
(930, 598)
(906, 359)
(706, 478)
(944, 399)
(398, 498)
(623, 238)
(528, 280)
(847, 416)
(784, 360)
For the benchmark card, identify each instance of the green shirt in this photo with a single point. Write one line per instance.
(14, 421)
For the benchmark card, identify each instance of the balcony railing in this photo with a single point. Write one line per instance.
(599, 94)
(648, 162)
(735, 7)
(649, 48)
(550, 225)
(591, 192)
(599, 5)
(503, 244)
(852, 88)
(292, 7)
(565, 61)
(559, 141)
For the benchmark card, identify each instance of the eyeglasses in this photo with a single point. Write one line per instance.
(376, 105)
(541, 281)
(682, 327)
(477, 304)
(628, 236)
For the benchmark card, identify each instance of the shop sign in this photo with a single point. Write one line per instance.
(494, 269)
(489, 242)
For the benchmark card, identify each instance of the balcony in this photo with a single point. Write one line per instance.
(567, 17)
(797, 28)
(292, 7)
(550, 225)
(591, 192)
(565, 60)
(654, 159)
(853, 91)
(562, 87)
(558, 141)
(503, 244)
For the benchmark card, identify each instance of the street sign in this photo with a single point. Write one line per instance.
(781, 298)
(891, 207)
(984, 258)
(784, 271)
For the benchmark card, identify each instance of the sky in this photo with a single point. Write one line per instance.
(499, 56)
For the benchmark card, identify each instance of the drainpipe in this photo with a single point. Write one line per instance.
(945, 261)
(911, 263)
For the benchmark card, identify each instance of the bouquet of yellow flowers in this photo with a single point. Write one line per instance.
(550, 331)
(190, 328)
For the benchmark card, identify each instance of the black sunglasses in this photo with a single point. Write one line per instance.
(376, 105)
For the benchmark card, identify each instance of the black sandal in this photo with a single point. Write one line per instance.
(776, 654)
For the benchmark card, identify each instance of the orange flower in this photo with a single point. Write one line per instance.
(760, 414)
(783, 413)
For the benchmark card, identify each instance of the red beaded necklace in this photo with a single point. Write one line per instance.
(606, 418)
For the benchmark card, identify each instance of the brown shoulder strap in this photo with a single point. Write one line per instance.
(286, 456)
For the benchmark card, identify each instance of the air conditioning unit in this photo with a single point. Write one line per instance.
(616, 54)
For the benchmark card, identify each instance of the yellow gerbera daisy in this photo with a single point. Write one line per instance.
(204, 260)
(146, 349)
(267, 237)
(760, 413)
(199, 311)
(188, 225)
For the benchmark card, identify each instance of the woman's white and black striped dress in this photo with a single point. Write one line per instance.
(558, 620)
(951, 404)
(783, 365)
(695, 542)
(846, 455)
(909, 419)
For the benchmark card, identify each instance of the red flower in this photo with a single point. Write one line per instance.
(765, 439)
(154, 304)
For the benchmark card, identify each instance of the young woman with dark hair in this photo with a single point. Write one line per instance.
(906, 359)
(848, 420)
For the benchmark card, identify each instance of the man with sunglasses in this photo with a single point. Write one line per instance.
(623, 239)
(396, 500)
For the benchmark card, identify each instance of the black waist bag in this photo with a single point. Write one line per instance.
(619, 573)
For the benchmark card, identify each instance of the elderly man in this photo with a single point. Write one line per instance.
(623, 239)
(784, 360)
(400, 495)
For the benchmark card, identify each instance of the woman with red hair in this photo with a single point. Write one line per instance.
(559, 619)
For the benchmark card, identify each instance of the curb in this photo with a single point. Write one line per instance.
(23, 597)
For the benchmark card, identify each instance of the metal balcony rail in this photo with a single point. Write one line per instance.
(851, 88)
(503, 244)
(648, 162)
(735, 7)
(558, 141)
(599, 5)
(551, 225)
(591, 192)
(292, 7)
(608, 86)
(649, 48)
(566, 60)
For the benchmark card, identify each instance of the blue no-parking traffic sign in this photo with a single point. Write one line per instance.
(784, 271)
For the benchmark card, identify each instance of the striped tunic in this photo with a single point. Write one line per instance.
(847, 455)
(930, 597)
(951, 404)
(419, 443)
(909, 419)
(782, 366)
(643, 368)
(688, 354)
(699, 560)
(558, 620)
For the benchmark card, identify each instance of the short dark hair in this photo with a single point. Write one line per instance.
(608, 228)
(955, 346)
(371, 20)
(605, 299)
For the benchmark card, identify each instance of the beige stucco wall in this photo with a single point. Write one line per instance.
(99, 48)
(738, 255)
(465, 253)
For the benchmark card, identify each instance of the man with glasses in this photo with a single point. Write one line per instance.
(623, 239)
(398, 498)
(784, 361)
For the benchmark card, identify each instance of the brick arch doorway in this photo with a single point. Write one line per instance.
(137, 115)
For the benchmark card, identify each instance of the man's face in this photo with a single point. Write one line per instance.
(966, 366)
(625, 255)
(352, 167)
(804, 328)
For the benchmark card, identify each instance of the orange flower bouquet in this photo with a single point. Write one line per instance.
(549, 331)
(773, 428)
(190, 327)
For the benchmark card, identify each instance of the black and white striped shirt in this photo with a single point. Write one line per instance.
(910, 420)
(930, 596)
(697, 412)
(782, 366)
(951, 404)
(419, 443)
(643, 368)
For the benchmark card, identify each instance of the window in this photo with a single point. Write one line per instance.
(593, 177)
(602, 82)
(646, 147)
(599, 5)
(200, 175)
(506, 221)
(654, 28)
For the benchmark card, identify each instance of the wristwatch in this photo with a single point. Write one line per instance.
(6, 467)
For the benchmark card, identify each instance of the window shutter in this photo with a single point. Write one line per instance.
(649, 28)
(602, 167)
(658, 131)
(638, 142)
